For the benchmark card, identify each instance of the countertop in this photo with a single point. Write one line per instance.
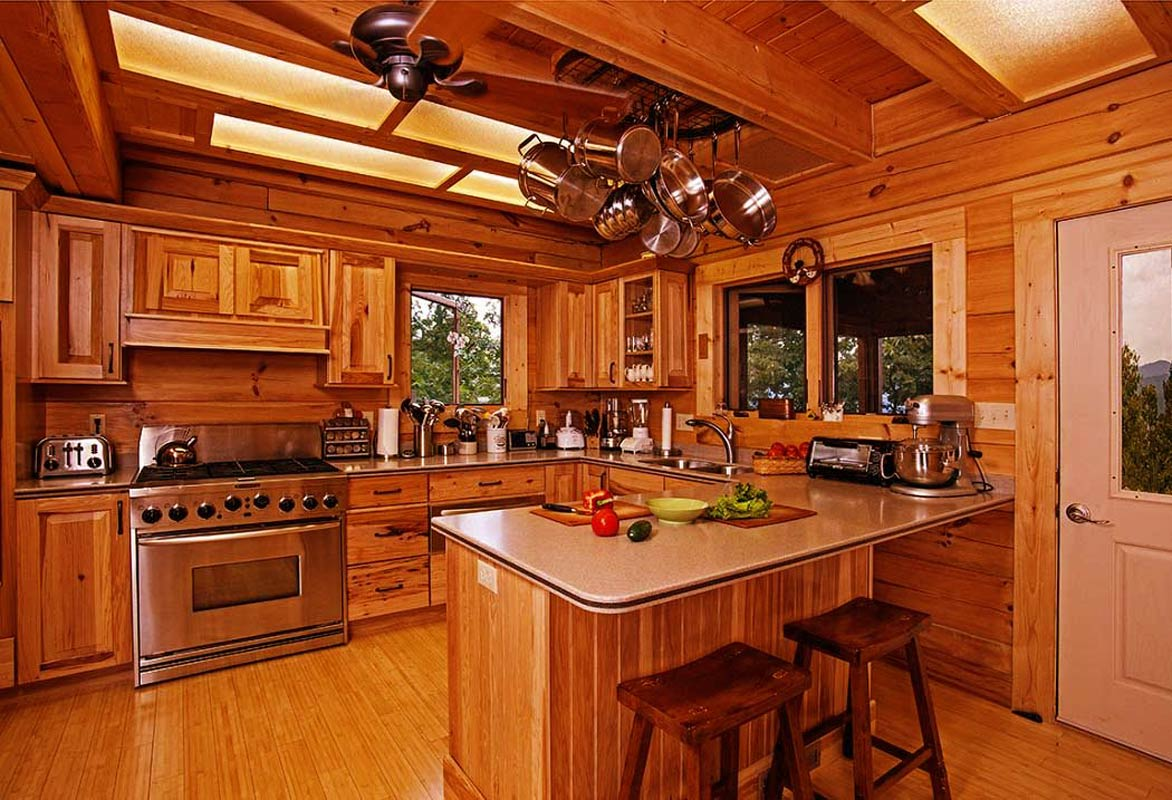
(123, 476)
(612, 575)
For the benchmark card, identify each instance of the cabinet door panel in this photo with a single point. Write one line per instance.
(73, 578)
(362, 319)
(76, 288)
(271, 282)
(184, 275)
(607, 359)
(564, 330)
(627, 481)
(673, 364)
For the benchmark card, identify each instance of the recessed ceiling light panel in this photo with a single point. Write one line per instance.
(462, 130)
(165, 53)
(488, 186)
(260, 139)
(1038, 47)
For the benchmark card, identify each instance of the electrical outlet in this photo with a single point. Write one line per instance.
(486, 575)
(98, 423)
(682, 422)
(995, 416)
(541, 415)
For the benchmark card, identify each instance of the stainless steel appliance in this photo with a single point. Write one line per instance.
(71, 456)
(436, 540)
(239, 557)
(615, 427)
(860, 460)
(937, 467)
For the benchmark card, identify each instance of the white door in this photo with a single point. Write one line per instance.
(1115, 486)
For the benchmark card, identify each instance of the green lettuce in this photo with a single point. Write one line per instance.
(746, 502)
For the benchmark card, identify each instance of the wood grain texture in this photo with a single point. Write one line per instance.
(361, 297)
(7, 662)
(387, 587)
(8, 253)
(949, 334)
(918, 115)
(381, 534)
(478, 484)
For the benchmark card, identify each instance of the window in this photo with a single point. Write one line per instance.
(767, 344)
(456, 347)
(879, 343)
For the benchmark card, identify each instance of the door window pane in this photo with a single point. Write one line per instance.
(767, 344)
(456, 347)
(881, 332)
(1146, 371)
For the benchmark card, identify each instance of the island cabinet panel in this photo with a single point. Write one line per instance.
(541, 674)
(75, 288)
(362, 319)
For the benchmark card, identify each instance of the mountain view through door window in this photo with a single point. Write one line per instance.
(1146, 371)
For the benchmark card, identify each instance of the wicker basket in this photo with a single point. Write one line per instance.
(763, 465)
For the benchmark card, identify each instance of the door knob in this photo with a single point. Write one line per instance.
(1077, 512)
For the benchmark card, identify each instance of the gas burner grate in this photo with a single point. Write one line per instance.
(233, 469)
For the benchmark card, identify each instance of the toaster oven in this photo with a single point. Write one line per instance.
(71, 456)
(849, 459)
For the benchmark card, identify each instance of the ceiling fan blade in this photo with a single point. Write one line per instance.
(468, 86)
(458, 23)
(565, 95)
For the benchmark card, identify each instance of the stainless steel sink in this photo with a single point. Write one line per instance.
(727, 470)
(697, 465)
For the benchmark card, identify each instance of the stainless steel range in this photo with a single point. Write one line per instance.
(237, 547)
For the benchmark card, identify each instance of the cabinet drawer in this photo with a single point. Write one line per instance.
(628, 481)
(386, 533)
(388, 490)
(684, 483)
(387, 587)
(439, 579)
(476, 484)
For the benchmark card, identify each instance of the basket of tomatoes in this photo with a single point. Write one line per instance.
(782, 459)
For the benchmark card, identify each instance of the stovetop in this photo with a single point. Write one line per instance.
(228, 470)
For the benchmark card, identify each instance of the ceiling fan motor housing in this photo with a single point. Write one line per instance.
(406, 80)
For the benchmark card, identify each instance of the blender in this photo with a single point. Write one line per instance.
(640, 440)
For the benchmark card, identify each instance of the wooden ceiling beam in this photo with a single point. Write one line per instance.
(898, 28)
(1154, 21)
(50, 47)
(681, 47)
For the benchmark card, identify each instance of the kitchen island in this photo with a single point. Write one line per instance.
(545, 620)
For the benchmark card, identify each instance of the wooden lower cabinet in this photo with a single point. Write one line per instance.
(73, 585)
(439, 579)
(383, 534)
(385, 587)
(483, 483)
(563, 483)
(628, 481)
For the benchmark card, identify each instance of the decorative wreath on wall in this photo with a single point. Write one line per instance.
(802, 261)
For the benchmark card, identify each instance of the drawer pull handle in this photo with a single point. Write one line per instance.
(389, 589)
(489, 483)
(388, 491)
(389, 532)
(110, 363)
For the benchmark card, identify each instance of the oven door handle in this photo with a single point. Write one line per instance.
(236, 535)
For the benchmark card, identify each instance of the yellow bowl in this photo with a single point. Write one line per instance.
(676, 510)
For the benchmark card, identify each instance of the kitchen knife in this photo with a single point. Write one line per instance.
(562, 509)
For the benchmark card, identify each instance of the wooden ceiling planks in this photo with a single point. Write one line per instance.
(1155, 23)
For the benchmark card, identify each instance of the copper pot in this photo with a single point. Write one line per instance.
(177, 453)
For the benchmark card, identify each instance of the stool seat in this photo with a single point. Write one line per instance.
(716, 693)
(859, 631)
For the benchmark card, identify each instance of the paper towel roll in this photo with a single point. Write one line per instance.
(666, 425)
(388, 432)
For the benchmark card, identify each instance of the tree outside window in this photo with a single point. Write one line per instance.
(456, 347)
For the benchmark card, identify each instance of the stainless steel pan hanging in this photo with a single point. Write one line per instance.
(677, 188)
(628, 153)
(740, 207)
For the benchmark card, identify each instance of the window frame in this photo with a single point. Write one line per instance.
(732, 331)
(437, 296)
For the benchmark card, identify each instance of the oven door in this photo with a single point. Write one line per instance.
(196, 590)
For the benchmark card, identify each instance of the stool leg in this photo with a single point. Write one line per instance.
(730, 759)
(847, 750)
(927, 715)
(789, 738)
(635, 762)
(697, 777)
(860, 708)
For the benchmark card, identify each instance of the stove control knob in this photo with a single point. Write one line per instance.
(309, 502)
(233, 503)
(329, 501)
(177, 512)
(286, 504)
(151, 515)
(206, 511)
(261, 501)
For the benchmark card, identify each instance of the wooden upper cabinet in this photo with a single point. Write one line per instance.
(564, 336)
(673, 361)
(7, 246)
(186, 276)
(274, 282)
(608, 360)
(73, 585)
(362, 319)
(76, 291)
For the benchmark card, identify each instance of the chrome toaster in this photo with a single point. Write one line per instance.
(70, 456)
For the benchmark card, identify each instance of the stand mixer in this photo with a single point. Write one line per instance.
(940, 467)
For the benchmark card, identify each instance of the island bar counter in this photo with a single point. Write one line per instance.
(545, 620)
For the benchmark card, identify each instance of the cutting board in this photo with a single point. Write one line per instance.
(776, 514)
(624, 509)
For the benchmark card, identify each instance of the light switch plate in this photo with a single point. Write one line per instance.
(486, 575)
(995, 416)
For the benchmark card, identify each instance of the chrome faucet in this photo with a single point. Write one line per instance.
(727, 438)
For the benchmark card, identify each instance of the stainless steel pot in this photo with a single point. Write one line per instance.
(625, 211)
(740, 207)
(661, 234)
(578, 195)
(677, 188)
(689, 241)
(540, 171)
(176, 453)
(923, 462)
(628, 153)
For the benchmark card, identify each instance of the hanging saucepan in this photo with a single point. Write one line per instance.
(661, 235)
(689, 241)
(623, 213)
(579, 195)
(542, 167)
(677, 188)
(740, 207)
(628, 153)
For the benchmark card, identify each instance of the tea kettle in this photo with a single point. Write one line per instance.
(177, 453)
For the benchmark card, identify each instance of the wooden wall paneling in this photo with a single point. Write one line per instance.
(989, 281)
(8, 253)
(17, 420)
(815, 339)
(918, 115)
(949, 354)
(988, 223)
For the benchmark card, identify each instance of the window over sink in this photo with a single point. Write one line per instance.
(457, 348)
(767, 344)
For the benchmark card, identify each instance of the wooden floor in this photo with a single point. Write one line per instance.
(369, 721)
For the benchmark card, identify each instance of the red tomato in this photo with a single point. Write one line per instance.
(593, 499)
(777, 450)
(804, 449)
(605, 521)
(791, 451)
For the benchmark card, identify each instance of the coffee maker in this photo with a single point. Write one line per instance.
(944, 466)
(615, 427)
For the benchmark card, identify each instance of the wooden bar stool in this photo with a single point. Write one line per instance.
(858, 633)
(711, 698)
